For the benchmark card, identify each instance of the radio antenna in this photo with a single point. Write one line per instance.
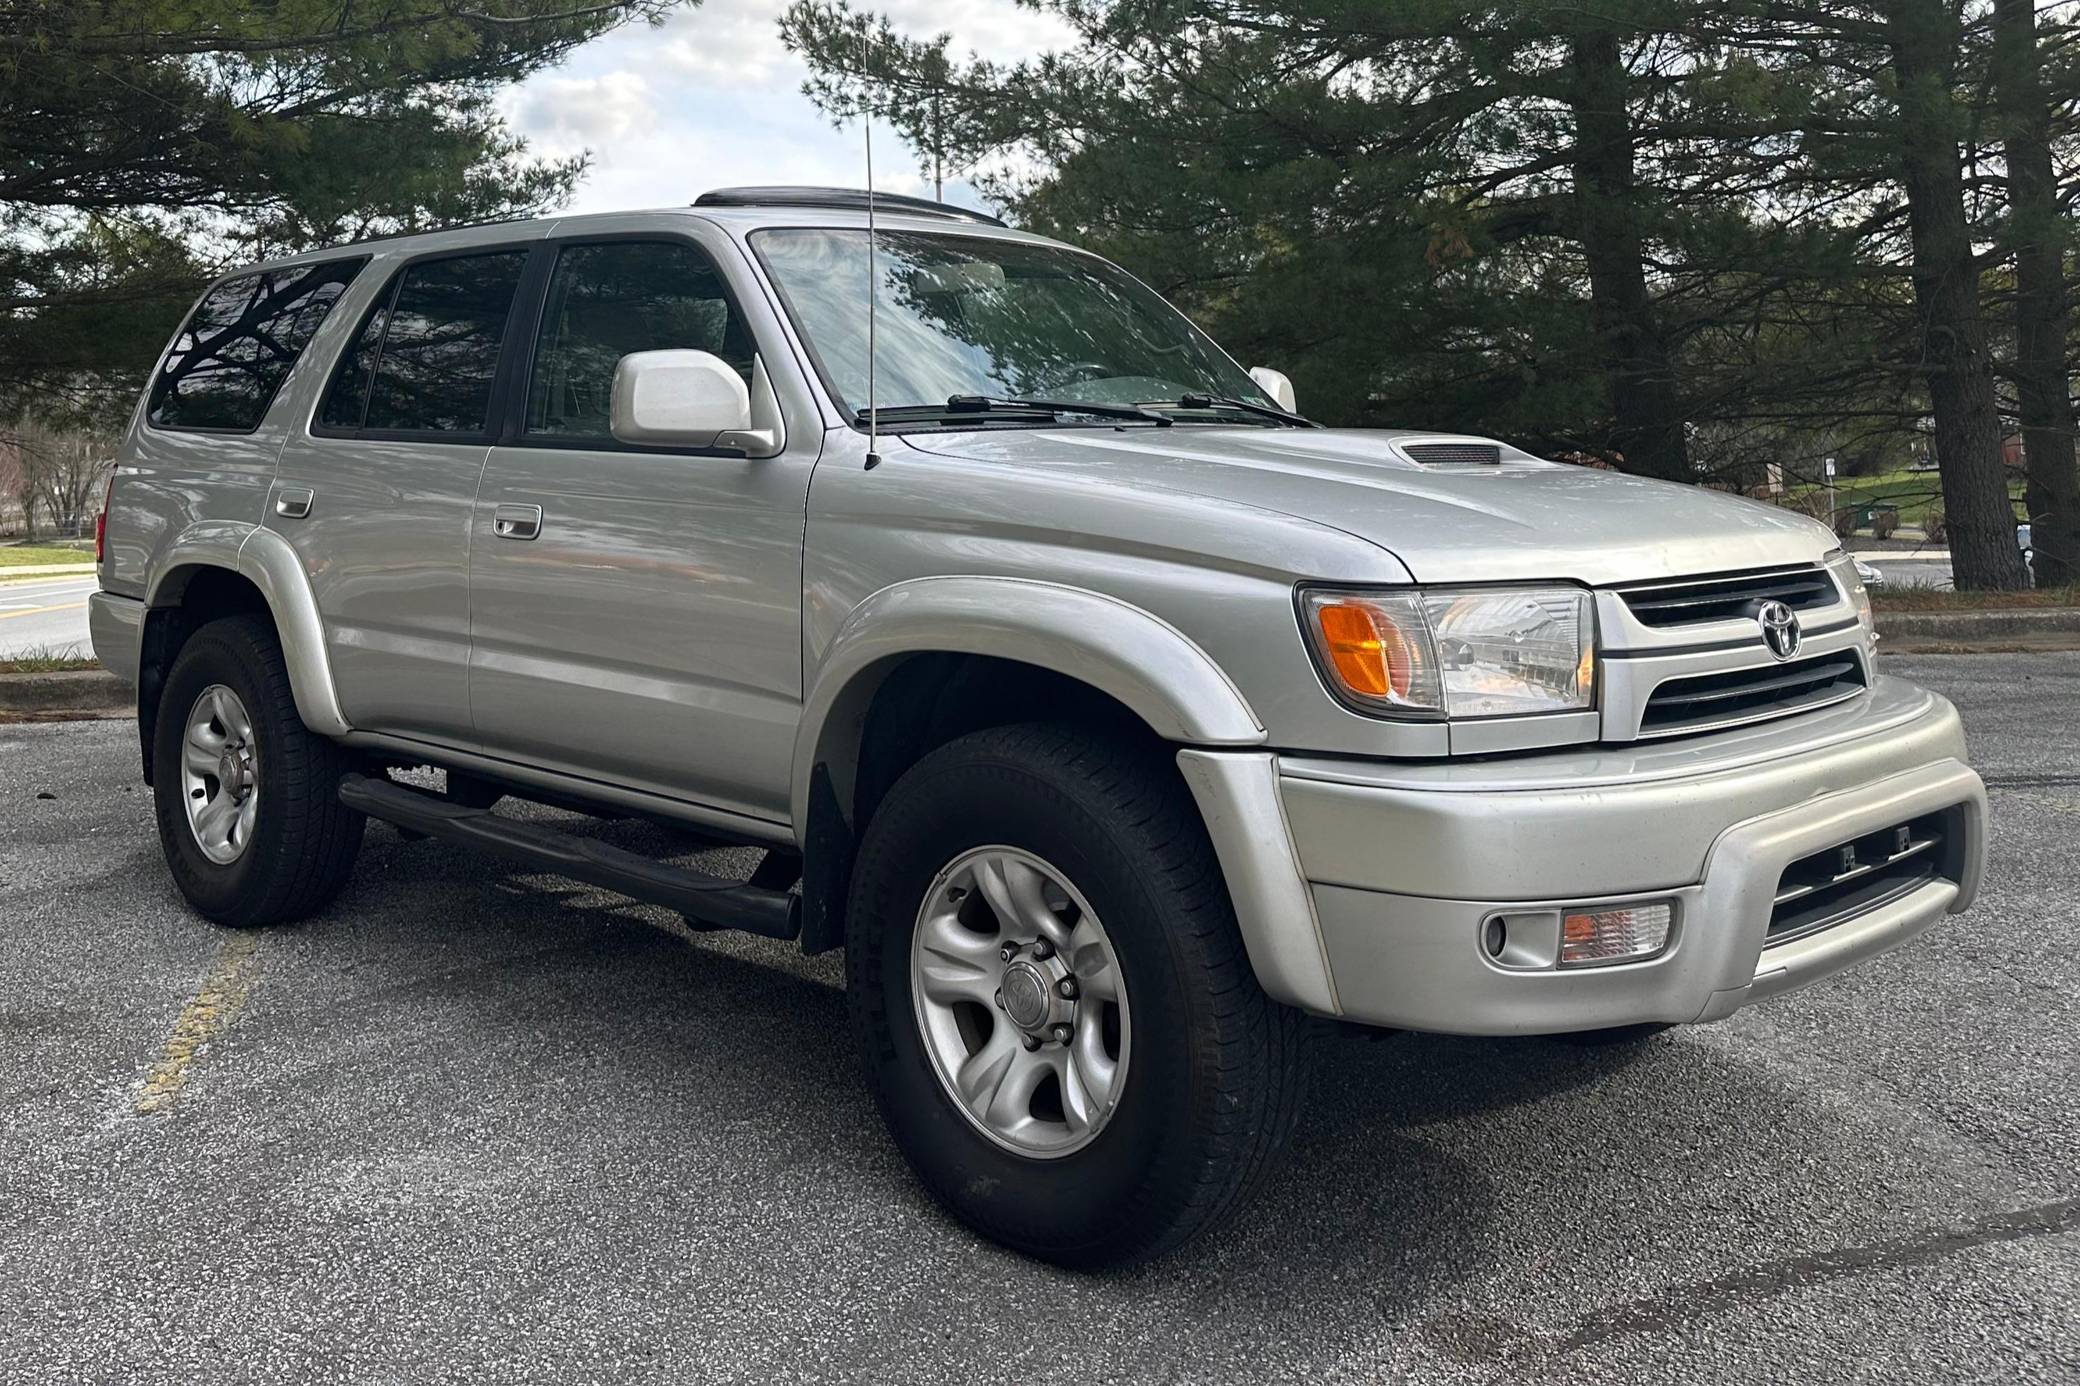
(866, 57)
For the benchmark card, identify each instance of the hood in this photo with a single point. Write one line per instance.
(1519, 519)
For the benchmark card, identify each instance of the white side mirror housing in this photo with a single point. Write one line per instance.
(685, 399)
(1274, 384)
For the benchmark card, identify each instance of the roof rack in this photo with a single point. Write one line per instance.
(851, 199)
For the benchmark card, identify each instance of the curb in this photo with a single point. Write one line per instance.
(2022, 623)
(41, 570)
(83, 691)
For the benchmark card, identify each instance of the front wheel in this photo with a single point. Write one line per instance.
(1062, 1027)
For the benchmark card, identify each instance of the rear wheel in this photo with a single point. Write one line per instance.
(246, 797)
(1061, 1024)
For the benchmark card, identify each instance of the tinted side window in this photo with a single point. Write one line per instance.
(606, 301)
(426, 361)
(238, 345)
(347, 402)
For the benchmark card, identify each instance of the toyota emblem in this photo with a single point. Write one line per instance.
(1780, 630)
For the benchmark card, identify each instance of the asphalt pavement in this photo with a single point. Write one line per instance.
(44, 616)
(470, 1125)
(1912, 569)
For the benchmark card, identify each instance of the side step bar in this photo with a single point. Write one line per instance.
(709, 902)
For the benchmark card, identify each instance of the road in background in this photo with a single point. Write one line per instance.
(1906, 568)
(476, 1125)
(45, 616)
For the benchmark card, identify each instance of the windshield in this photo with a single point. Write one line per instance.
(969, 315)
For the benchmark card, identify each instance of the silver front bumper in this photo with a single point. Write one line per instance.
(1403, 864)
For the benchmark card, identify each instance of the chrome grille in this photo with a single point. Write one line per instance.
(1834, 886)
(1454, 454)
(1697, 600)
(1705, 702)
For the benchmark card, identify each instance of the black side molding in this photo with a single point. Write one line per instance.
(709, 902)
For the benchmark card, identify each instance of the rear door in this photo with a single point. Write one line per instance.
(377, 496)
(636, 612)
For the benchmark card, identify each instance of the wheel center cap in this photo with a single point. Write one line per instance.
(1027, 997)
(231, 773)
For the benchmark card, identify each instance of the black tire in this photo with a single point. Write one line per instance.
(1214, 1085)
(303, 839)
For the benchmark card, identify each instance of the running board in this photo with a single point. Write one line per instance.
(709, 902)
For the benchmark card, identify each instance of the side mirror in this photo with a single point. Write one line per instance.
(1274, 384)
(687, 399)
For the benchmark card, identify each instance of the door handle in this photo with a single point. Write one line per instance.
(516, 521)
(293, 502)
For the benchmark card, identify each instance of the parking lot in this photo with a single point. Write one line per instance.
(469, 1124)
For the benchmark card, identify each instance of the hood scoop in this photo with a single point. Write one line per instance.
(1454, 454)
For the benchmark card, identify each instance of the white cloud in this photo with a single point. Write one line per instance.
(998, 30)
(711, 99)
(565, 115)
(732, 41)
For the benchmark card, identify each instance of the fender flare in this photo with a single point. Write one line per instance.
(1135, 657)
(204, 544)
(270, 564)
(266, 560)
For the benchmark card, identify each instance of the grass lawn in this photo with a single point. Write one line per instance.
(37, 555)
(1913, 492)
(1934, 599)
(34, 662)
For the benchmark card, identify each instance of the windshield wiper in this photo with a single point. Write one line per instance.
(1262, 411)
(992, 404)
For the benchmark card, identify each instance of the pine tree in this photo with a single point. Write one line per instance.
(142, 144)
(1619, 229)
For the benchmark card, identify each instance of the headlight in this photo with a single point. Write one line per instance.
(1844, 569)
(1478, 652)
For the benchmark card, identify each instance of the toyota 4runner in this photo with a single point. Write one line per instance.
(1113, 717)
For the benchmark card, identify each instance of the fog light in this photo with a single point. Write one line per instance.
(1589, 937)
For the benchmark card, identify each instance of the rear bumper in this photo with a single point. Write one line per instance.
(115, 625)
(1405, 865)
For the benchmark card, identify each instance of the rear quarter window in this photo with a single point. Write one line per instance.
(238, 346)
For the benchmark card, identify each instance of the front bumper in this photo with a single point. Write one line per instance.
(1405, 864)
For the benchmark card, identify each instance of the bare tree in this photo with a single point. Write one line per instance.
(16, 485)
(59, 469)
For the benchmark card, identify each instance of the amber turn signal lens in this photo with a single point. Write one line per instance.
(1368, 653)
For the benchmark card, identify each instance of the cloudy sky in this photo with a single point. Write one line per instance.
(713, 100)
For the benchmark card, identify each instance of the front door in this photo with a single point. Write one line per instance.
(377, 497)
(636, 613)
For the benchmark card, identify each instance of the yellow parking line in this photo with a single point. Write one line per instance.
(214, 1005)
(39, 610)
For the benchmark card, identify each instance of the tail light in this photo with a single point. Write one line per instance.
(101, 520)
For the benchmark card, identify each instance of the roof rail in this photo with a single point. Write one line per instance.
(377, 239)
(851, 199)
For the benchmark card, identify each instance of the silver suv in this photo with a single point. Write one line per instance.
(1114, 718)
